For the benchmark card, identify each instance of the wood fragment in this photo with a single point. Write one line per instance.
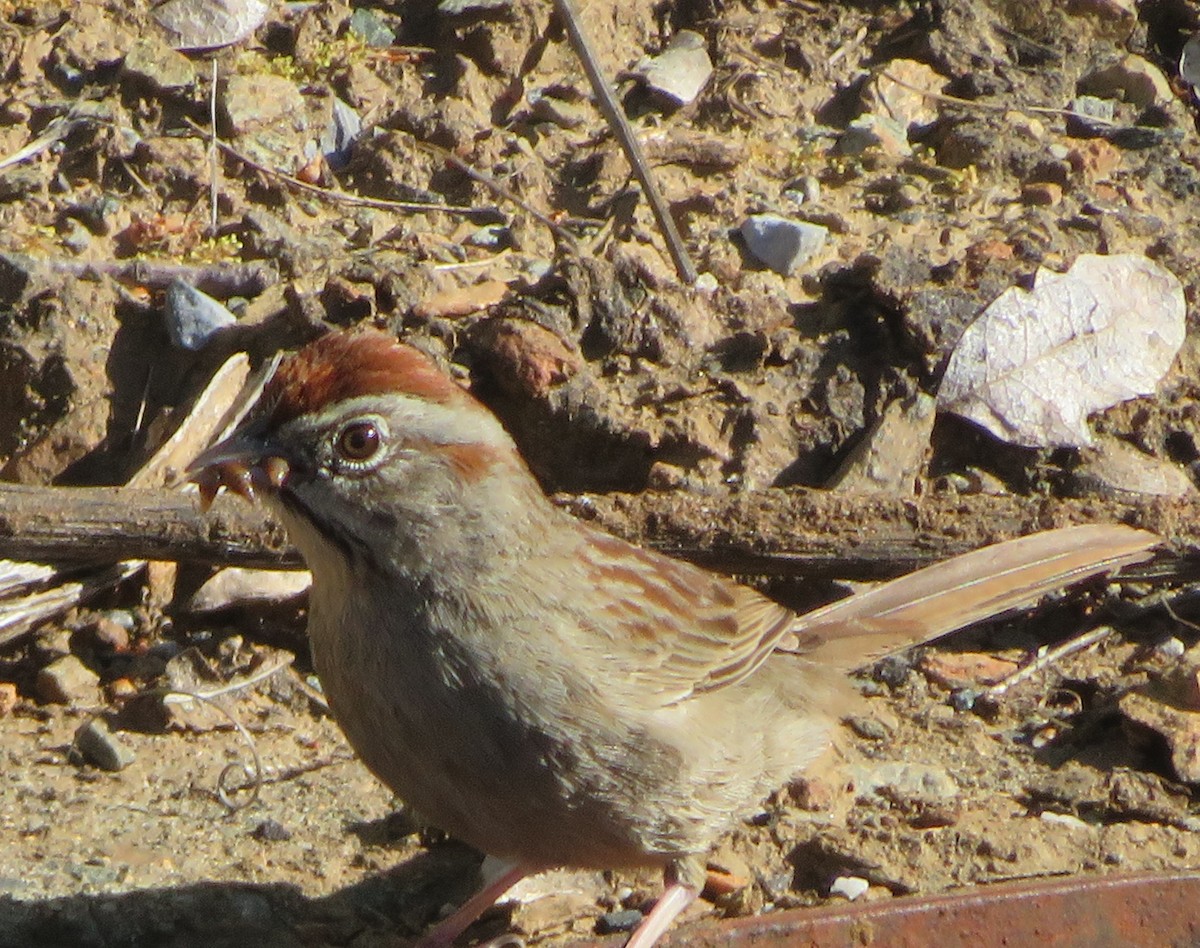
(780, 532)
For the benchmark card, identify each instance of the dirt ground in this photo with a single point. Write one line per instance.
(613, 377)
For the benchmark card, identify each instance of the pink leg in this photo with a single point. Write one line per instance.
(460, 919)
(677, 898)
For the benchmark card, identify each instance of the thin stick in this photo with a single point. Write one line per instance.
(216, 279)
(501, 191)
(1048, 657)
(994, 106)
(629, 143)
(214, 168)
(331, 194)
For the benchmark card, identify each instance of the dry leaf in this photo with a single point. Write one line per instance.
(1036, 363)
(197, 25)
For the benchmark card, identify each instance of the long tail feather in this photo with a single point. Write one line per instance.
(947, 596)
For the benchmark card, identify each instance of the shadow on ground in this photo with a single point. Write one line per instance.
(384, 909)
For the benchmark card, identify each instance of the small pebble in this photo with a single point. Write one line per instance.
(868, 727)
(109, 635)
(1171, 648)
(370, 27)
(681, 71)
(892, 670)
(75, 236)
(271, 831)
(8, 698)
(100, 747)
(781, 243)
(1042, 194)
(621, 921)
(1065, 819)
(120, 689)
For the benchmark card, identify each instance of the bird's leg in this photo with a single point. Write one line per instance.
(460, 919)
(685, 880)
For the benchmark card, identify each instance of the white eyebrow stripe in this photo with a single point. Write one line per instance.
(410, 417)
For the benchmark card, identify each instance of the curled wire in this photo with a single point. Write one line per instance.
(255, 774)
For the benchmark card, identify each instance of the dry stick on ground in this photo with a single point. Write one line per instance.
(331, 194)
(216, 279)
(1047, 657)
(624, 132)
(994, 106)
(501, 191)
(794, 532)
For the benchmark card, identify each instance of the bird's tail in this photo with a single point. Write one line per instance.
(965, 589)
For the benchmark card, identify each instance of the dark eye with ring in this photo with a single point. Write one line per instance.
(359, 442)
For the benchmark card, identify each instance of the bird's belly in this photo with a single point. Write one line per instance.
(468, 762)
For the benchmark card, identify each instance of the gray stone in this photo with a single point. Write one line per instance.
(623, 920)
(100, 747)
(1090, 115)
(193, 318)
(343, 128)
(456, 7)
(200, 24)
(153, 62)
(781, 243)
(1189, 64)
(905, 780)
(370, 27)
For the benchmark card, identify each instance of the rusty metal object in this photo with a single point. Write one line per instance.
(1150, 909)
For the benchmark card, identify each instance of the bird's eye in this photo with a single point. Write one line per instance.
(359, 442)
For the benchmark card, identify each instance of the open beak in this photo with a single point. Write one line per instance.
(243, 463)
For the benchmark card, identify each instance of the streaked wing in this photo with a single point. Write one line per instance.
(683, 629)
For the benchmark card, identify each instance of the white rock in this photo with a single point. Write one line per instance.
(781, 243)
(849, 887)
(680, 71)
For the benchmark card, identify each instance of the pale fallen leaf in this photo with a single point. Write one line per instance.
(1036, 363)
(197, 25)
(461, 301)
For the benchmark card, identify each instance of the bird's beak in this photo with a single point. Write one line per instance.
(243, 463)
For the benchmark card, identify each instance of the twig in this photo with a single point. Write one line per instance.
(994, 106)
(216, 279)
(482, 177)
(56, 131)
(214, 167)
(778, 532)
(629, 143)
(332, 194)
(1048, 657)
